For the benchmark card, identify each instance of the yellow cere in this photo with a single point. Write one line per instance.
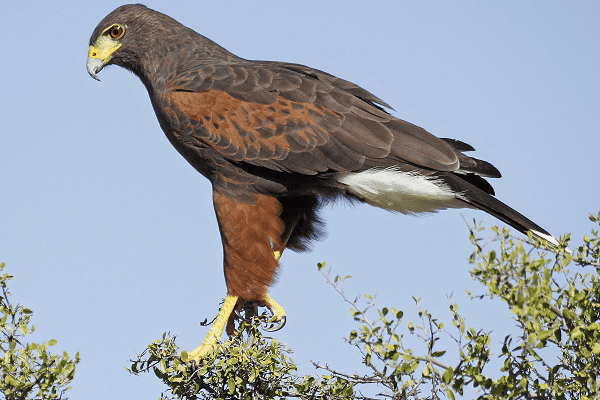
(277, 255)
(104, 48)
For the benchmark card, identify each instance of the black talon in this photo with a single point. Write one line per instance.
(276, 327)
(250, 309)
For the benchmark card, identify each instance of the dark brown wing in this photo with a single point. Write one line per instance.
(287, 117)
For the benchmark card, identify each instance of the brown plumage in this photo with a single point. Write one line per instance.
(249, 264)
(278, 139)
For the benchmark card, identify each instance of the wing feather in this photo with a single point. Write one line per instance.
(287, 117)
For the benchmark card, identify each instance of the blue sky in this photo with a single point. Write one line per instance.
(112, 238)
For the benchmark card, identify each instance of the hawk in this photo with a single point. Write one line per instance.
(277, 140)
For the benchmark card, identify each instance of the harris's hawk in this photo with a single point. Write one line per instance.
(276, 140)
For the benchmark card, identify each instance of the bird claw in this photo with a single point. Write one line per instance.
(274, 325)
(268, 323)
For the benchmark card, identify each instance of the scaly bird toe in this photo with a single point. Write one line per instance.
(279, 317)
(272, 327)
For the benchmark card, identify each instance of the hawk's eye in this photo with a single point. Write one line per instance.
(115, 31)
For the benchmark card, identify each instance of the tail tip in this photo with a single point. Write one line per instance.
(549, 238)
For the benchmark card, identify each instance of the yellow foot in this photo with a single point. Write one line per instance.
(278, 319)
(214, 335)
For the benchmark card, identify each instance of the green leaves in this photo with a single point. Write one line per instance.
(28, 371)
(448, 375)
(238, 369)
(556, 302)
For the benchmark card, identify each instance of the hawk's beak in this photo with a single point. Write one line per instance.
(100, 54)
(94, 65)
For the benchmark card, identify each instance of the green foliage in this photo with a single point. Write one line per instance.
(255, 368)
(410, 373)
(556, 302)
(28, 371)
(554, 297)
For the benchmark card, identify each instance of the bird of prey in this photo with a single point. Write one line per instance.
(277, 140)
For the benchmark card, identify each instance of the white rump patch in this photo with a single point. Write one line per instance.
(404, 192)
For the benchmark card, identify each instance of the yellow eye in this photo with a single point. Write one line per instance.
(115, 32)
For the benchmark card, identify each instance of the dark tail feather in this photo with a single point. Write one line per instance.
(478, 198)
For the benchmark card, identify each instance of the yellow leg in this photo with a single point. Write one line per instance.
(214, 335)
(276, 309)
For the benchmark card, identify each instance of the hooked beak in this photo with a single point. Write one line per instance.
(94, 65)
(100, 54)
